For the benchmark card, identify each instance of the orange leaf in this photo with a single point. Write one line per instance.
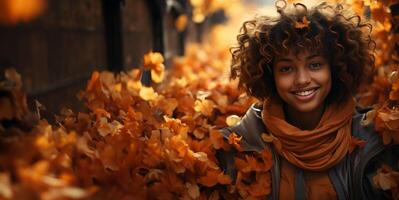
(100, 112)
(235, 141)
(261, 186)
(93, 82)
(204, 106)
(168, 105)
(249, 164)
(224, 179)
(193, 190)
(181, 23)
(304, 23)
(267, 158)
(217, 139)
(210, 179)
(386, 178)
(356, 142)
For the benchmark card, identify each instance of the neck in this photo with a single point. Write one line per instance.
(303, 120)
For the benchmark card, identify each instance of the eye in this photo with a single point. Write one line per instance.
(285, 69)
(315, 66)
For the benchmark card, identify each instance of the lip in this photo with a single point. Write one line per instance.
(305, 97)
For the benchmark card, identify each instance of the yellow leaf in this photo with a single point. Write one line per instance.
(201, 156)
(193, 190)
(83, 147)
(205, 107)
(152, 60)
(5, 186)
(233, 120)
(133, 86)
(158, 73)
(148, 94)
(65, 193)
(368, 118)
(105, 128)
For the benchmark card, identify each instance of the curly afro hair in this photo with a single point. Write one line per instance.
(339, 35)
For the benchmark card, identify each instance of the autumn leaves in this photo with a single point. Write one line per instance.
(139, 142)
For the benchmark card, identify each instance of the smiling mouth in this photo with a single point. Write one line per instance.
(305, 93)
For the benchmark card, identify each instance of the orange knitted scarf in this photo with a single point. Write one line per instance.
(314, 150)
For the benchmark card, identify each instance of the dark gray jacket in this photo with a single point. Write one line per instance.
(352, 177)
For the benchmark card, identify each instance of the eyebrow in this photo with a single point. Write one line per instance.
(289, 59)
(312, 56)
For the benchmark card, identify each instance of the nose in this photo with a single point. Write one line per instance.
(302, 77)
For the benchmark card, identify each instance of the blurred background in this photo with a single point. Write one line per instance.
(56, 44)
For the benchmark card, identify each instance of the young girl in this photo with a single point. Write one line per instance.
(305, 67)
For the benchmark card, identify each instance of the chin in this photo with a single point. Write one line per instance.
(306, 108)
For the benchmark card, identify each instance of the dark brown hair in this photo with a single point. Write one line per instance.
(342, 37)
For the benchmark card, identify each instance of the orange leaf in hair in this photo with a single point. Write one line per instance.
(304, 23)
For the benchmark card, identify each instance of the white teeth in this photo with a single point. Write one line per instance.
(305, 93)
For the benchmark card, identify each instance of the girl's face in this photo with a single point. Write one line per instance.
(302, 81)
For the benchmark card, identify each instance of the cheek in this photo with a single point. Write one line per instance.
(329, 84)
(282, 83)
(326, 80)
